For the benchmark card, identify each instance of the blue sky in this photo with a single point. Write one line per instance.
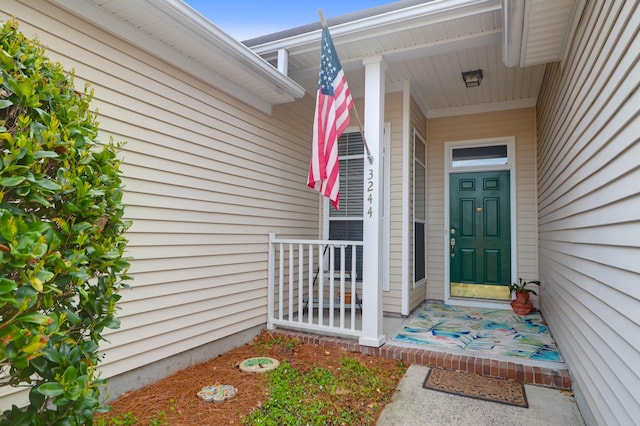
(245, 19)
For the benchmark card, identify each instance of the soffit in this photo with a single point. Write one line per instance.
(430, 44)
(176, 33)
(547, 29)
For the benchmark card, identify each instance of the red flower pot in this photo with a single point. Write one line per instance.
(521, 304)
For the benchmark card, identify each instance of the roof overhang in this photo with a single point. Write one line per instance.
(402, 18)
(538, 31)
(174, 32)
(430, 43)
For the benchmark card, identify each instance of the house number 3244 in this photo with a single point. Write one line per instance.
(370, 192)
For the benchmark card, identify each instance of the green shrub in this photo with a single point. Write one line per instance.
(61, 237)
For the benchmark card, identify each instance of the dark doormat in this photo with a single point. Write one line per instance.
(504, 391)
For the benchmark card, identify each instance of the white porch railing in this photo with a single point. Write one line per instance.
(312, 289)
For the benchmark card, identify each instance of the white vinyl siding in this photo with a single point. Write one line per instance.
(393, 117)
(518, 123)
(589, 208)
(206, 179)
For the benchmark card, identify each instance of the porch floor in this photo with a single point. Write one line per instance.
(528, 355)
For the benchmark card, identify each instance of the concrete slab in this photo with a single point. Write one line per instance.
(414, 405)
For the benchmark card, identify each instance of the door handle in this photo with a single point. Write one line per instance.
(453, 247)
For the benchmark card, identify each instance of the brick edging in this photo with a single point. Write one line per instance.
(533, 375)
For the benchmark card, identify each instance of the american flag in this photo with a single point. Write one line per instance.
(331, 118)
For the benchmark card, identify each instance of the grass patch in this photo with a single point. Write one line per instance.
(348, 395)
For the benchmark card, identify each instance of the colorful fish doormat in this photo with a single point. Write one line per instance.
(491, 331)
(504, 391)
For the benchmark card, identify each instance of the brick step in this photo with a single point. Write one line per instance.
(555, 378)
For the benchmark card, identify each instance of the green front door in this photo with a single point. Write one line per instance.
(480, 235)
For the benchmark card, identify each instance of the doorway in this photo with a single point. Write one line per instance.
(480, 222)
(480, 235)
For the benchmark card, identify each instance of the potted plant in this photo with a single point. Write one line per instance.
(521, 304)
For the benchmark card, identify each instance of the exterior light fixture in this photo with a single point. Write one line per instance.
(472, 78)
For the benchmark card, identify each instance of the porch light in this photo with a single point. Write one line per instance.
(472, 78)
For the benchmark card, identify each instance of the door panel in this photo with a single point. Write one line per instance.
(492, 264)
(467, 223)
(480, 222)
(468, 264)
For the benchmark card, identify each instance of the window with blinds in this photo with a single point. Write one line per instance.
(346, 223)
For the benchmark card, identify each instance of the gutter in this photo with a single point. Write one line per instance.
(402, 18)
(186, 19)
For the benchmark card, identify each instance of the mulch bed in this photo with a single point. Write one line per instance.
(176, 395)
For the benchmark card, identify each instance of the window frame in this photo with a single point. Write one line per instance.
(386, 189)
(418, 138)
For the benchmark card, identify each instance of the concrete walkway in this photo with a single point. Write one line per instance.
(414, 405)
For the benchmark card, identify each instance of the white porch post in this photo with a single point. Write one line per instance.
(283, 61)
(372, 232)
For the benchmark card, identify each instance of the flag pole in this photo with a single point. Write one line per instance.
(323, 21)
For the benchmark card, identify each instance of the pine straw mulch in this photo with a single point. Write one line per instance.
(174, 398)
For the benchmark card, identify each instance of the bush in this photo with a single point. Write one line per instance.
(61, 237)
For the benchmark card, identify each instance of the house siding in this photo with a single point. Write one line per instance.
(519, 123)
(392, 299)
(206, 179)
(588, 127)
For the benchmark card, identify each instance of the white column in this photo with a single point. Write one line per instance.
(372, 333)
(283, 61)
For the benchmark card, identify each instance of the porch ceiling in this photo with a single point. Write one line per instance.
(430, 43)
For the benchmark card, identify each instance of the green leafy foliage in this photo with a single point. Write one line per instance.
(320, 396)
(263, 345)
(522, 284)
(61, 237)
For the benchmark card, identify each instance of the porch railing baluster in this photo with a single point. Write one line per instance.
(354, 294)
(300, 281)
(310, 294)
(290, 295)
(317, 293)
(281, 285)
(270, 283)
(342, 295)
(320, 287)
(332, 291)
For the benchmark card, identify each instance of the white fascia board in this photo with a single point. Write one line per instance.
(286, 88)
(191, 19)
(575, 20)
(480, 108)
(397, 20)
